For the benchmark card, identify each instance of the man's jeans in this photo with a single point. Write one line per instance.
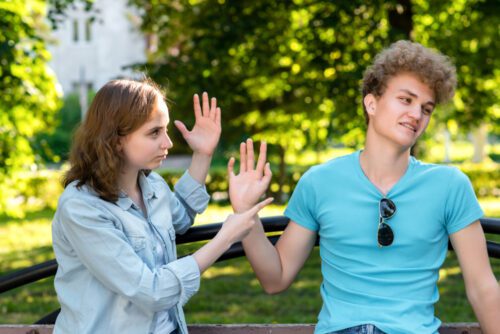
(361, 329)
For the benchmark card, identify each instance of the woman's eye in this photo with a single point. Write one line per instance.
(405, 100)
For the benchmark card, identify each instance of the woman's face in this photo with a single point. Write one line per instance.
(147, 147)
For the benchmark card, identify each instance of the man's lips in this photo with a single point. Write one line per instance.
(409, 126)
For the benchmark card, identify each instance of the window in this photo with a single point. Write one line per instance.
(75, 30)
(88, 30)
(75, 86)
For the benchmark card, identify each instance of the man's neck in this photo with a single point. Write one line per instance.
(384, 165)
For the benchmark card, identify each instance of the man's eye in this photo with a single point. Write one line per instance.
(405, 99)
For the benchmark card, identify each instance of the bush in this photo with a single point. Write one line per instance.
(485, 179)
(42, 189)
(54, 147)
(39, 190)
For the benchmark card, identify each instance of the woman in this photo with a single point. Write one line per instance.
(115, 225)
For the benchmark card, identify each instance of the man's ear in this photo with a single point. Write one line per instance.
(370, 103)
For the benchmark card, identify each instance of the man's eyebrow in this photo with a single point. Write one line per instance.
(409, 92)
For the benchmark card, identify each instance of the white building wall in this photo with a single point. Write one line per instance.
(115, 42)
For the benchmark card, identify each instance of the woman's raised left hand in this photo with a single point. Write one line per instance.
(204, 136)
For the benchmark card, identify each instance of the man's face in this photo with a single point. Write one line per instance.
(147, 147)
(403, 111)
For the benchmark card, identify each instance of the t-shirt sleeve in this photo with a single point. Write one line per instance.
(301, 206)
(462, 207)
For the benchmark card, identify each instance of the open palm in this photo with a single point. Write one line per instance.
(251, 183)
(204, 136)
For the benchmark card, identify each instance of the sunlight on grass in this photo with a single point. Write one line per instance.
(445, 272)
(214, 272)
(229, 292)
(490, 206)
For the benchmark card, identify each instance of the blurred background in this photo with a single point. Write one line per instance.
(287, 72)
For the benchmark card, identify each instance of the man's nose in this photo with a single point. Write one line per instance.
(416, 112)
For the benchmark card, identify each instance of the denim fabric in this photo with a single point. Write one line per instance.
(109, 278)
(361, 329)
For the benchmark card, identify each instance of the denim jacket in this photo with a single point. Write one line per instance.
(108, 280)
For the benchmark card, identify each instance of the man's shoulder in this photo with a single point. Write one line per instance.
(437, 170)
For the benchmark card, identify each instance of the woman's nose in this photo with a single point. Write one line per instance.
(166, 143)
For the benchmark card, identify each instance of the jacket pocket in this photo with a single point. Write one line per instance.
(138, 243)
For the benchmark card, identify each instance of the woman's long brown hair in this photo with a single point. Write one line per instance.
(119, 108)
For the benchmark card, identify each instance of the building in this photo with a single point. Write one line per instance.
(96, 46)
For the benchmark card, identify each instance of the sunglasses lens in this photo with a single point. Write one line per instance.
(385, 235)
(387, 208)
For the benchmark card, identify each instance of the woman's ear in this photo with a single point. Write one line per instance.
(370, 103)
(119, 144)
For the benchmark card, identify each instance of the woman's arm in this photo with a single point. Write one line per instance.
(88, 233)
(235, 228)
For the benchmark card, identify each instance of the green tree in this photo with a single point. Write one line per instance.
(54, 146)
(468, 32)
(29, 98)
(289, 71)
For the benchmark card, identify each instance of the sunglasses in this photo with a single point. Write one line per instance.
(385, 235)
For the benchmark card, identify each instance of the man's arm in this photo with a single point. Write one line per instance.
(276, 267)
(481, 285)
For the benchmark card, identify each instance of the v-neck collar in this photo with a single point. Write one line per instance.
(357, 163)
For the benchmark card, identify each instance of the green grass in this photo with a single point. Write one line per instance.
(229, 291)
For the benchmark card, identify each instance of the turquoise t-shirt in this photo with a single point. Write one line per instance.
(392, 287)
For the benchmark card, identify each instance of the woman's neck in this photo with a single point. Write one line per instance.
(128, 182)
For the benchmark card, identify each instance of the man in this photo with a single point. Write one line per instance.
(384, 218)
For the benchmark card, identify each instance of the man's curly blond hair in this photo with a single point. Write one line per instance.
(433, 69)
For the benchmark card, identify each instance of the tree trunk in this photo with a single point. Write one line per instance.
(480, 140)
(401, 19)
(282, 173)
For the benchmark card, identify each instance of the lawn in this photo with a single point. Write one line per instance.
(229, 291)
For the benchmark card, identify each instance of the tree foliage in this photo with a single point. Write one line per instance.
(289, 71)
(29, 98)
(469, 32)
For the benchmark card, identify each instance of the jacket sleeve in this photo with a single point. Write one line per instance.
(107, 254)
(190, 198)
